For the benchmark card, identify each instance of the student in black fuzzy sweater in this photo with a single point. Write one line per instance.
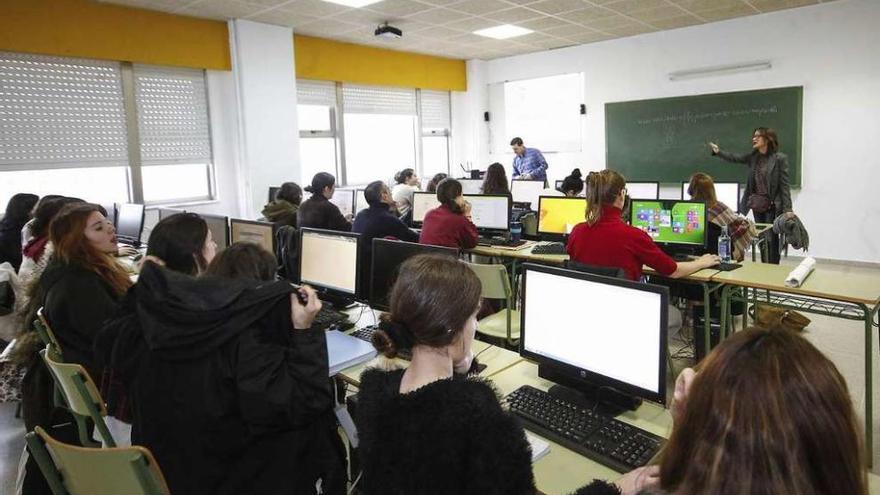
(429, 429)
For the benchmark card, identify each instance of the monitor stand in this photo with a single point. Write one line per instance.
(605, 400)
(339, 303)
(680, 253)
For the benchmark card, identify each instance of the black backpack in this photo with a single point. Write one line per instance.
(287, 252)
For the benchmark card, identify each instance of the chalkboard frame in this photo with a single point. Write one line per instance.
(649, 166)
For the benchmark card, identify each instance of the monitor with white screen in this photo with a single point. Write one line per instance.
(423, 202)
(643, 190)
(262, 233)
(219, 227)
(526, 191)
(360, 201)
(329, 261)
(344, 200)
(490, 212)
(558, 185)
(619, 342)
(725, 192)
(471, 186)
(129, 223)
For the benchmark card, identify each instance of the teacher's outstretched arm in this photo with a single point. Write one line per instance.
(726, 156)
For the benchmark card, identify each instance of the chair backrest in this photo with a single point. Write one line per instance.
(494, 279)
(74, 470)
(287, 252)
(605, 271)
(45, 332)
(79, 392)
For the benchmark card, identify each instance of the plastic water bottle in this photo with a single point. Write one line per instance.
(724, 245)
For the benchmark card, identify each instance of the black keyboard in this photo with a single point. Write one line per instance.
(497, 241)
(727, 267)
(329, 318)
(608, 441)
(549, 248)
(366, 333)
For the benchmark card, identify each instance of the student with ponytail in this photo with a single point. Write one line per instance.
(318, 212)
(605, 240)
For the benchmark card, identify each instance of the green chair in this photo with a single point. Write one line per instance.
(503, 325)
(80, 395)
(74, 470)
(45, 332)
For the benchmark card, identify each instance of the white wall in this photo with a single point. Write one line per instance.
(829, 49)
(268, 136)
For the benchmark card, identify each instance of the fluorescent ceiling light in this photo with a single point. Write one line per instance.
(503, 32)
(354, 3)
(720, 70)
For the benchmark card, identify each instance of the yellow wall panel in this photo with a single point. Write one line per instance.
(85, 28)
(328, 60)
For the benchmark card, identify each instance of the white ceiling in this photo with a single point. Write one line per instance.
(445, 27)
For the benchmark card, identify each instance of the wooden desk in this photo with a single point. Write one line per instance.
(524, 254)
(562, 470)
(854, 296)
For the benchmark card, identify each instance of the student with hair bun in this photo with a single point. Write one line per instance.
(407, 183)
(450, 223)
(318, 212)
(430, 429)
(605, 240)
(573, 184)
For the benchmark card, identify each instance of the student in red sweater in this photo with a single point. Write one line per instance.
(450, 223)
(605, 240)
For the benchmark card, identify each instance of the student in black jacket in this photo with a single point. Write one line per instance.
(228, 383)
(318, 212)
(18, 212)
(378, 221)
(429, 429)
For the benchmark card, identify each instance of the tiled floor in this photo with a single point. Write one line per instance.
(840, 340)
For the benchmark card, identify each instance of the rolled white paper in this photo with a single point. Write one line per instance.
(799, 274)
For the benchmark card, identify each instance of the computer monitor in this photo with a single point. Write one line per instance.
(344, 200)
(272, 191)
(423, 202)
(111, 212)
(526, 191)
(129, 223)
(328, 261)
(726, 192)
(388, 255)
(559, 215)
(167, 212)
(619, 344)
(219, 227)
(490, 213)
(262, 233)
(643, 190)
(471, 186)
(558, 185)
(679, 225)
(360, 201)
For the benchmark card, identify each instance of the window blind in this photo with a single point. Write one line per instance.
(60, 112)
(316, 93)
(435, 110)
(172, 109)
(370, 99)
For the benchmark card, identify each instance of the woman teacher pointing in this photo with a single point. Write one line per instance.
(767, 189)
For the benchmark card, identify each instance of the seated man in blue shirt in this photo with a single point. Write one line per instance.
(377, 221)
(529, 163)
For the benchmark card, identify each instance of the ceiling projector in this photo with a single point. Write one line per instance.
(389, 32)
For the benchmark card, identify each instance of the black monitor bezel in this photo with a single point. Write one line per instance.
(656, 185)
(557, 185)
(333, 291)
(252, 222)
(273, 190)
(417, 223)
(590, 377)
(487, 230)
(373, 299)
(118, 213)
(676, 244)
(225, 219)
(557, 234)
(541, 181)
(356, 194)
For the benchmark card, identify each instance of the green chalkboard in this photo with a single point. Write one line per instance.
(666, 139)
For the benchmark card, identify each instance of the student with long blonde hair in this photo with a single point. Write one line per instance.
(702, 188)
